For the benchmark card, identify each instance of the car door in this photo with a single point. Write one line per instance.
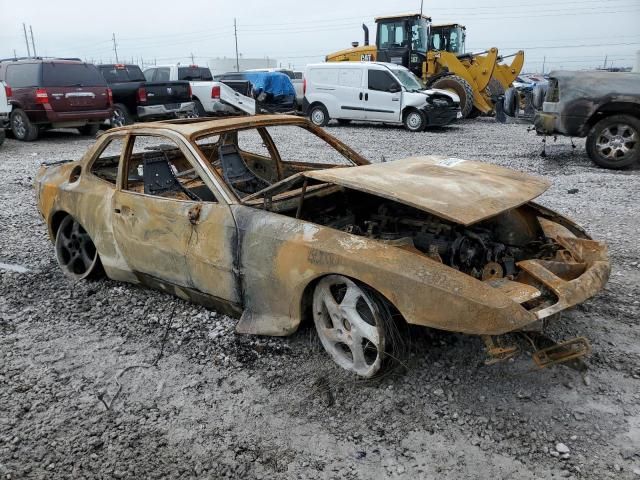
(168, 222)
(382, 98)
(351, 93)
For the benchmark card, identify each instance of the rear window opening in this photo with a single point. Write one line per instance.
(194, 73)
(122, 73)
(56, 74)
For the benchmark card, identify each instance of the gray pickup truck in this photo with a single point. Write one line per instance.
(602, 106)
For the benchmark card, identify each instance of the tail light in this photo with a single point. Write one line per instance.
(304, 86)
(189, 90)
(41, 96)
(110, 96)
(7, 91)
(215, 92)
(142, 95)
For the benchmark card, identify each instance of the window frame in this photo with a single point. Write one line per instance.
(190, 156)
(106, 141)
(385, 72)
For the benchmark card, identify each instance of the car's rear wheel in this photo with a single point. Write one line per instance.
(22, 127)
(75, 251)
(318, 115)
(120, 116)
(614, 142)
(351, 324)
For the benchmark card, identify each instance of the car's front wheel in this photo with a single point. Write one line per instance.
(318, 115)
(351, 324)
(415, 121)
(22, 127)
(75, 251)
(614, 142)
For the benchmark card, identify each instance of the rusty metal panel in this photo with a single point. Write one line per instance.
(461, 191)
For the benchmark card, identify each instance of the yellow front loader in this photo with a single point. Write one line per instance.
(438, 59)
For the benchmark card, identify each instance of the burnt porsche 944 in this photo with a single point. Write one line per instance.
(232, 214)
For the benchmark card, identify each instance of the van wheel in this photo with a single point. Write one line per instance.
(22, 127)
(415, 121)
(319, 115)
(89, 130)
(614, 142)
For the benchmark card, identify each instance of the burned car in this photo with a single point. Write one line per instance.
(233, 214)
(604, 107)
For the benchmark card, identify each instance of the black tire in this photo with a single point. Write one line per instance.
(539, 92)
(344, 121)
(494, 89)
(3, 135)
(414, 120)
(120, 116)
(511, 102)
(199, 109)
(318, 115)
(614, 142)
(22, 127)
(90, 129)
(475, 113)
(460, 87)
(75, 251)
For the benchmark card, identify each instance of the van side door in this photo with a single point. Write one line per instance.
(351, 93)
(382, 97)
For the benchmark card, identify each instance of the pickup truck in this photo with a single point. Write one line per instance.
(136, 99)
(5, 109)
(210, 97)
(602, 106)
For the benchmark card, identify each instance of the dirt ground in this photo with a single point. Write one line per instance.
(208, 403)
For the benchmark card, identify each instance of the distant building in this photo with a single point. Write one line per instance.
(223, 65)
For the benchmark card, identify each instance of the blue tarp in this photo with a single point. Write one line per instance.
(274, 83)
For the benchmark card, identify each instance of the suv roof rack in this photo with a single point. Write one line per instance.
(17, 59)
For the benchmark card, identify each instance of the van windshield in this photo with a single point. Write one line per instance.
(408, 80)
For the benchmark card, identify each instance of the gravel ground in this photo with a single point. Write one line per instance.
(213, 404)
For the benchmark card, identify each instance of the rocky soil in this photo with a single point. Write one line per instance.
(106, 380)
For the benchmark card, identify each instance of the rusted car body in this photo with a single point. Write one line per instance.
(447, 243)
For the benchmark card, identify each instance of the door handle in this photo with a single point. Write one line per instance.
(366, 97)
(360, 95)
(395, 99)
(124, 210)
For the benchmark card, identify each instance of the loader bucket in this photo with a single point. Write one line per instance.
(505, 73)
(481, 67)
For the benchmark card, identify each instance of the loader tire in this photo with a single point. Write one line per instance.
(494, 89)
(460, 87)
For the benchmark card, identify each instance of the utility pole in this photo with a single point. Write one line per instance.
(33, 44)
(115, 47)
(15, 55)
(604, 67)
(544, 60)
(192, 60)
(235, 33)
(24, 27)
(421, 4)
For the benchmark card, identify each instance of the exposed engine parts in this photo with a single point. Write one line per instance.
(478, 250)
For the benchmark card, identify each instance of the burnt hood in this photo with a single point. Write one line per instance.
(461, 191)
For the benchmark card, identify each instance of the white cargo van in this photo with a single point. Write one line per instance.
(375, 92)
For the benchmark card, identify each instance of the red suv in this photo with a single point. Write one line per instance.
(55, 93)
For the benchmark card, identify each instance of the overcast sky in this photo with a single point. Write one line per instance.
(571, 34)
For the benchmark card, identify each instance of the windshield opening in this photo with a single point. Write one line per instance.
(449, 39)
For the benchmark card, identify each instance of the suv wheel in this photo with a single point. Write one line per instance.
(414, 121)
(22, 127)
(90, 129)
(614, 142)
(319, 115)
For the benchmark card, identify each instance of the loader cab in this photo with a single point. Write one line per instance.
(448, 38)
(403, 40)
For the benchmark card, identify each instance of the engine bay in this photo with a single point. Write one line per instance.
(486, 250)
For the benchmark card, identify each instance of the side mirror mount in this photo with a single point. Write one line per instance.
(395, 88)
